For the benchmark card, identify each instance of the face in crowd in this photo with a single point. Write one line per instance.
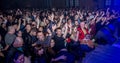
(82, 24)
(59, 32)
(41, 51)
(20, 59)
(52, 43)
(19, 34)
(28, 27)
(11, 30)
(40, 36)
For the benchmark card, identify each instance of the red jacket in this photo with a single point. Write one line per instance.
(81, 33)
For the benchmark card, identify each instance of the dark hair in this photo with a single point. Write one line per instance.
(37, 48)
(40, 32)
(34, 30)
(57, 29)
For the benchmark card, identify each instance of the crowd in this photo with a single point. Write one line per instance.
(50, 36)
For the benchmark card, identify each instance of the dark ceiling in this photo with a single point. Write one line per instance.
(10, 4)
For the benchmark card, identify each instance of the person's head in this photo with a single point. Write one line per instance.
(39, 50)
(19, 33)
(19, 57)
(69, 21)
(67, 17)
(76, 17)
(28, 27)
(10, 17)
(3, 25)
(40, 28)
(15, 26)
(59, 31)
(52, 43)
(40, 36)
(89, 14)
(11, 30)
(33, 32)
(34, 24)
(49, 17)
(76, 23)
(82, 24)
(47, 21)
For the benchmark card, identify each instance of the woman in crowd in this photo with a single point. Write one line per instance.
(50, 51)
(39, 54)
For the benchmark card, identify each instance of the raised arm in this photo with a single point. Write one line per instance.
(38, 21)
(70, 27)
(66, 30)
(53, 30)
(93, 20)
(100, 17)
(48, 38)
(52, 17)
(81, 15)
(19, 24)
(44, 20)
(61, 18)
(24, 22)
(107, 11)
(76, 39)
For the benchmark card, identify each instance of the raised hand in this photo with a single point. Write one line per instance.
(103, 13)
(66, 25)
(54, 27)
(75, 29)
(52, 17)
(61, 17)
(70, 25)
(97, 14)
(49, 32)
(19, 21)
(78, 12)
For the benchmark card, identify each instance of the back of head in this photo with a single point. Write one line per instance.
(11, 29)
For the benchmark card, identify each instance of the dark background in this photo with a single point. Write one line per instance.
(87, 4)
